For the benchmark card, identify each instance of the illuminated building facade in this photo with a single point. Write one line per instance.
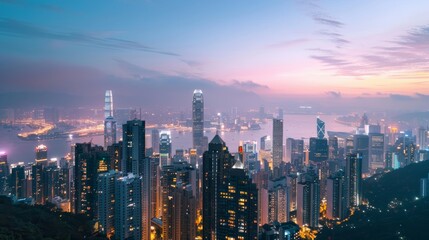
(165, 147)
(216, 162)
(90, 160)
(277, 142)
(4, 173)
(336, 201)
(353, 176)
(308, 200)
(319, 149)
(109, 121)
(198, 121)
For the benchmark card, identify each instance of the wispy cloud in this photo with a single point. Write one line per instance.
(249, 85)
(334, 94)
(14, 28)
(289, 43)
(327, 20)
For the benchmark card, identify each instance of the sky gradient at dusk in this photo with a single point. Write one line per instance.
(276, 49)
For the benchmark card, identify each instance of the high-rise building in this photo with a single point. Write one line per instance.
(334, 153)
(216, 162)
(361, 145)
(17, 181)
(106, 201)
(4, 173)
(277, 142)
(128, 213)
(133, 147)
(198, 120)
(422, 137)
(51, 183)
(42, 155)
(376, 151)
(155, 140)
(178, 201)
(109, 121)
(308, 200)
(279, 231)
(319, 149)
(266, 143)
(90, 160)
(165, 147)
(336, 200)
(237, 216)
(295, 152)
(278, 200)
(320, 128)
(115, 153)
(353, 176)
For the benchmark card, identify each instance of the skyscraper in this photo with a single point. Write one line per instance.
(4, 173)
(198, 120)
(336, 200)
(277, 142)
(376, 151)
(17, 181)
(319, 149)
(353, 175)
(278, 200)
(237, 216)
(90, 160)
(109, 121)
(178, 201)
(320, 128)
(155, 140)
(133, 146)
(165, 147)
(106, 201)
(216, 162)
(128, 213)
(308, 200)
(42, 155)
(361, 145)
(37, 176)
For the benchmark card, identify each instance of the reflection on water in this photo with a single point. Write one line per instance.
(295, 126)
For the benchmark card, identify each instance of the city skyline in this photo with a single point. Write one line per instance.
(303, 52)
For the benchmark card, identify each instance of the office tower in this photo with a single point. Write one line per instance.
(250, 157)
(336, 201)
(90, 160)
(17, 181)
(216, 162)
(320, 128)
(308, 200)
(277, 142)
(66, 181)
(422, 137)
(133, 147)
(319, 149)
(128, 213)
(376, 151)
(155, 140)
(106, 201)
(349, 145)
(155, 181)
(334, 153)
(291, 180)
(4, 173)
(353, 176)
(361, 145)
(115, 153)
(280, 114)
(179, 156)
(42, 155)
(193, 157)
(165, 147)
(177, 195)
(266, 143)
(295, 152)
(278, 200)
(109, 121)
(51, 183)
(198, 120)
(237, 216)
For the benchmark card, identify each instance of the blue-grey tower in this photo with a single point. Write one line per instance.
(109, 121)
(198, 121)
(320, 128)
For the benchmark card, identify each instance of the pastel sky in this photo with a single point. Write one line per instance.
(272, 48)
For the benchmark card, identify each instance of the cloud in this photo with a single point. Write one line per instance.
(14, 28)
(400, 97)
(334, 94)
(336, 38)
(249, 85)
(327, 21)
(289, 43)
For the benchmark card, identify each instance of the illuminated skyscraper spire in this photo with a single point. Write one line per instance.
(109, 121)
(108, 104)
(320, 128)
(198, 120)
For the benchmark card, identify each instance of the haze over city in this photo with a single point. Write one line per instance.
(210, 120)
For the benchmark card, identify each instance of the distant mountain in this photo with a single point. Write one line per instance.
(394, 212)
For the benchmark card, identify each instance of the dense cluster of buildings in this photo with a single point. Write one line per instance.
(136, 191)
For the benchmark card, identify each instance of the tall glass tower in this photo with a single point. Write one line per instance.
(109, 121)
(198, 120)
(320, 128)
(277, 142)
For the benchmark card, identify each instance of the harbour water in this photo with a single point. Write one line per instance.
(295, 126)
